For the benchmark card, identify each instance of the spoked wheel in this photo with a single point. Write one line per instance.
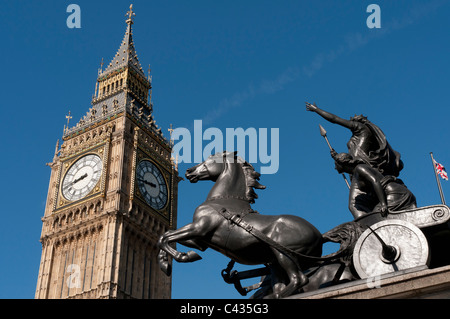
(389, 246)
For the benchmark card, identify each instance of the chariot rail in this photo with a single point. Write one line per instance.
(421, 217)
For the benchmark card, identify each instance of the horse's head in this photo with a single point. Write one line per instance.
(211, 168)
(215, 165)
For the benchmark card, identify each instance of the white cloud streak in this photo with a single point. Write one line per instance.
(351, 42)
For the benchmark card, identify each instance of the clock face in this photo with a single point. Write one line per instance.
(82, 177)
(151, 184)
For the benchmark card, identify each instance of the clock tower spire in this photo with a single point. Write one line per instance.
(112, 193)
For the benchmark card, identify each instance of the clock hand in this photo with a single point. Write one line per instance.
(80, 178)
(75, 181)
(148, 183)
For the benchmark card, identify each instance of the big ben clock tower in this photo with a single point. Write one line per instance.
(112, 193)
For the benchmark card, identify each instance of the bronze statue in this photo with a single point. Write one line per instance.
(227, 223)
(289, 246)
(381, 239)
(390, 192)
(368, 145)
(368, 142)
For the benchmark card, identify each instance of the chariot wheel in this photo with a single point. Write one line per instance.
(389, 246)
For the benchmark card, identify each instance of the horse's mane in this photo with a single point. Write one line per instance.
(251, 179)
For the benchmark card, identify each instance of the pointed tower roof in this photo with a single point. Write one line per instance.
(122, 88)
(126, 55)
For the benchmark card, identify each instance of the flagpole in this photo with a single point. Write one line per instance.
(437, 178)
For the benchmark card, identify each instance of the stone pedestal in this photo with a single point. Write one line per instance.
(415, 283)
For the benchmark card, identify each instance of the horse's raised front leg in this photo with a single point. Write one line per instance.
(185, 233)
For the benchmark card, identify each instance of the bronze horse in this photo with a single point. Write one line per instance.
(215, 226)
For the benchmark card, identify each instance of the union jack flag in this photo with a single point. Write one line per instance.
(440, 169)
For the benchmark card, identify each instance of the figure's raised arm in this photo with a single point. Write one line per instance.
(328, 116)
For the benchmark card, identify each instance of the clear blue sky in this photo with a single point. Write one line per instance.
(231, 64)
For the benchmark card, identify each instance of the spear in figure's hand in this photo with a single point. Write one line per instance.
(324, 134)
